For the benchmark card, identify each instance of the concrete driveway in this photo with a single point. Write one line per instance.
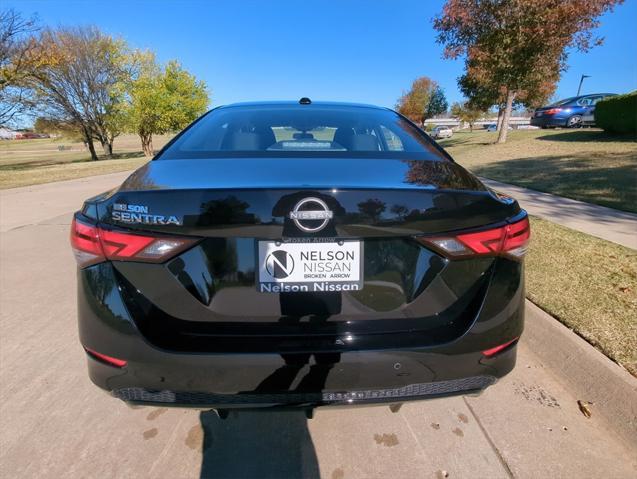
(55, 423)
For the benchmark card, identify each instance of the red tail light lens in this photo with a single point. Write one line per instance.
(484, 242)
(122, 245)
(92, 245)
(111, 361)
(86, 245)
(517, 238)
(552, 111)
(509, 240)
(493, 351)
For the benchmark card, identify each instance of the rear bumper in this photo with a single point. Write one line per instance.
(247, 379)
(548, 121)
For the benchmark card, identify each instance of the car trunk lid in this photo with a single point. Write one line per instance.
(210, 292)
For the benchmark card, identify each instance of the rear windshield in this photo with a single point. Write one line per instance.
(563, 102)
(301, 130)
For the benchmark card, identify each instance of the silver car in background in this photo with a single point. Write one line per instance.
(439, 132)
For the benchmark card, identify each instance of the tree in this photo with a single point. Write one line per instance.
(516, 49)
(56, 127)
(477, 84)
(15, 42)
(78, 76)
(466, 113)
(437, 104)
(163, 100)
(400, 210)
(372, 208)
(413, 104)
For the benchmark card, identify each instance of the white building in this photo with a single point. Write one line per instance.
(514, 121)
(7, 134)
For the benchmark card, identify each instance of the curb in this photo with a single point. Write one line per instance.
(589, 374)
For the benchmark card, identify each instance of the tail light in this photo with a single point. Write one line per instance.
(552, 111)
(92, 244)
(509, 240)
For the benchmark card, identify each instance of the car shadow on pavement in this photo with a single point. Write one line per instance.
(254, 444)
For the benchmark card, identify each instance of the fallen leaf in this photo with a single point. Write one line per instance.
(584, 408)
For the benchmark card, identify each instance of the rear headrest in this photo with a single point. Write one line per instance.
(343, 136)
(364, 143)
(240, 141)
(267, 138)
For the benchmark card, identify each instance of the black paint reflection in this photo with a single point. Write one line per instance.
(442, 174)
(193, 270)
(265, 213)
(102, 296)
(317, 308)
(373, 208)
(314, 381)
(225, 211)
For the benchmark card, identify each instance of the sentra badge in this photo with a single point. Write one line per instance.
(140, 214)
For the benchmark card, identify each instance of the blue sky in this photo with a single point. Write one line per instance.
(345, 50)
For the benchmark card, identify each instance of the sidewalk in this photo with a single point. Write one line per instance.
(606, 223)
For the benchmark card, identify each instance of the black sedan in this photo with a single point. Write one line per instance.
(299, 254)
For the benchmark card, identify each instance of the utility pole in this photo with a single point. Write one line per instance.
(579, 88)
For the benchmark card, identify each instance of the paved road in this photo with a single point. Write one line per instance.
(55, 424)
(612, 225)
(32, 204)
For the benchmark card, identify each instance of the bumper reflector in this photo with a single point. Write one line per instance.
(118, 363)
(495, 350)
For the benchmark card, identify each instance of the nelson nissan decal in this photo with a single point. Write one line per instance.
(140, 214)
(325, 266)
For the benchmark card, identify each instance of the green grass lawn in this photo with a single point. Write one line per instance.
(587, 283)
(583, 164)
(31, 162)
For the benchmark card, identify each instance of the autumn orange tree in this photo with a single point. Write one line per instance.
(516, 49)
(424, 100)
(483, 92)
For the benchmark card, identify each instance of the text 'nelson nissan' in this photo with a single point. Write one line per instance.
(299, 254)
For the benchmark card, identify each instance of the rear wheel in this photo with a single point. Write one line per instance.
(574, 122)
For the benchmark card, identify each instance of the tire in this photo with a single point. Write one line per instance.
(574, 122)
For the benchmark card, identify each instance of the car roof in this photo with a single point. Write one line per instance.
(589, 94)
(571, 99)
(296, 104)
